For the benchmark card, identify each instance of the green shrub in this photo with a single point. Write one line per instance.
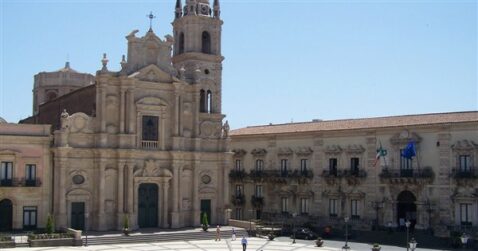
(49, 225)
(125, 222)
(204, 221)
(5, 238)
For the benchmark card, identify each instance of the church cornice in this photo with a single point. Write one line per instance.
(197, 56)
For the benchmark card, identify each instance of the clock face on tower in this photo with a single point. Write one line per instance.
(204, 9)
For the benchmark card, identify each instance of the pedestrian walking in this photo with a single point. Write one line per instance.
(244, 243)
(218, 233)
(233, 234)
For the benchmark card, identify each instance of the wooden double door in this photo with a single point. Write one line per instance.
(148, 205)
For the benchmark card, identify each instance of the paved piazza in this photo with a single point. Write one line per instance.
(280, 244)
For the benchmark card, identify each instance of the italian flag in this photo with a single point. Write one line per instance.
(380, 153)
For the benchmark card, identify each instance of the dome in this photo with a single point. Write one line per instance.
(3, 121)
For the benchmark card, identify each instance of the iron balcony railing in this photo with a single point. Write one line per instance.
(20, 182)
(423, 173)
(257, 201)
(296, 173)
(468, 173)
(331, 173)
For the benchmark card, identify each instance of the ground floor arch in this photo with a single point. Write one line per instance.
(6, 215)
(406, 208)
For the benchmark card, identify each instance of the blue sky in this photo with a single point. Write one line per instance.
(293, 60)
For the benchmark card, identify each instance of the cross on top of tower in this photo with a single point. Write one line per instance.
(151, 16)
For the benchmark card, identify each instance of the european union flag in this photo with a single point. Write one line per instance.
(409, 151)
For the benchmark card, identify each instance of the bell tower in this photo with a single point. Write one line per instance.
(197, 50)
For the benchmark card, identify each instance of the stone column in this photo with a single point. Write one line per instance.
(62, 216)
(103, 109)
(122, 111)
(165, 205)
(101, 197)
(130, 188)
(196, 207)
(131, 115)
(175, 207)
(120, 205)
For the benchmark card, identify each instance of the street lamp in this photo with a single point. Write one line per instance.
(346, 247)
(86, 229)
(407, 224)
(413, 244)
(293, 226)
(464, 239)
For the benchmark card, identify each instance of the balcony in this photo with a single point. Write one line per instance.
(238, 200)
(146, 144)
(470, 173)
(407, 176)
(20, 182)
(237, 175)
(257, 175)
(6, 182)
(257, 201)
(333, 176)
(465, 177)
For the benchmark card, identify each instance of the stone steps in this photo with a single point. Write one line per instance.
(160, 237)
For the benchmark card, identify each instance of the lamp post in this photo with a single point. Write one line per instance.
(293, 227)
(413, 244)
(346, 247)
(407, 224)
(464, 239)
(250, 221)
(86, 229)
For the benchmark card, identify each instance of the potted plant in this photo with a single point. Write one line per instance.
(271, 236)
(376, 247)
(319, 242)
(126, 225)
(205, 223)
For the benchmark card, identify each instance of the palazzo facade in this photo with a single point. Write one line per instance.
(326, 171)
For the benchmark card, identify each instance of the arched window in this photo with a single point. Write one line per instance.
(181, 43)
(206, 42)
(202, 101)
(209, 101)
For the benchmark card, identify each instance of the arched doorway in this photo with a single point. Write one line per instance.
(6, 213)
(406, 208)
(148, 205)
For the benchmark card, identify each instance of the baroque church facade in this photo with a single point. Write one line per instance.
(148, 142)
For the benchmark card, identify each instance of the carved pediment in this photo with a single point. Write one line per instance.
(333, 194)
(239, 152)
(151, 169)
(152, 73)
(210, 129)
(356, 195)
(151, 101)
(333, 149)
(304, 150)
(80, 123)
(404, 137)
(149, 50)
(464, 145)
(259, 152)
(355, 149)
(285, 151)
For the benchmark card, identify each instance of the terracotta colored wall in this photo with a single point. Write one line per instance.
(81, 100)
